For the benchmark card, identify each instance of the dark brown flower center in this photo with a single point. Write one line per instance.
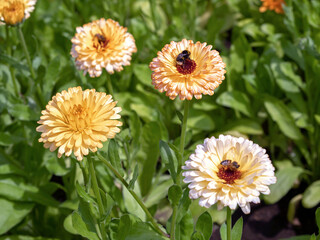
(228, 171)
(187, 67)
(100, 41)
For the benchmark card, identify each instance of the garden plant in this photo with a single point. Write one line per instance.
(158, 119)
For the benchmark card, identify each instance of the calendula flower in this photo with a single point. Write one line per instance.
(228, 171)
(187, 69)
(78, 121)
(102, 44)
(273, 5)
(15, 11)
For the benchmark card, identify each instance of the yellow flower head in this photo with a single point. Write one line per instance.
(102, 44)
(13, 12)
(187, 69)
(273, 5)
(78, 121)
(228, 171)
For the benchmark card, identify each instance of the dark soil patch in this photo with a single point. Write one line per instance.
(269, 222)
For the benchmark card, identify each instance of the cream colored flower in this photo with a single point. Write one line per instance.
(187, 69)
(228, 171)
(272, 5)
(102, 44)
(15, 11)
(78, 121)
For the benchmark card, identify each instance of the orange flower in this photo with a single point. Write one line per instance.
(273, 5)
(102, 44)
(187, 69)
(78, 121)
(15, 11)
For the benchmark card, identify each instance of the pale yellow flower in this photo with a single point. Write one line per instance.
(78, 121)
(102, 44)
(228, 171)
(187, 69)
(15, 11)
(273, 5)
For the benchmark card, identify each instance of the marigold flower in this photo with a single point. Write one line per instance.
(102, 44)
(228, 171)
(187, 69)
(78, 121)
(15, 11)
(273, 5)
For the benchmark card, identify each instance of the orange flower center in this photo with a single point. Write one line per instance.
(228, 171)
(99, 41)
(187, 67)
(78, 119)
(14, 13)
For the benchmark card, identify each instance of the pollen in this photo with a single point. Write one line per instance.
(187, 67)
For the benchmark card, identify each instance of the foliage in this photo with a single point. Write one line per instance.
(271, 94)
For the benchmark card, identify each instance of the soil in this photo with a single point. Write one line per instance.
(269, 222)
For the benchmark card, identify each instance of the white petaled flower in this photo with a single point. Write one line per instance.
(102, 44)
(228, 171)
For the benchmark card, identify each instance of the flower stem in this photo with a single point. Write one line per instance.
(182, 142)
(229, 223)
(25, 49)
(13, 77)
(134, 195)
(33, 75)
(109, 84)
(98, 196)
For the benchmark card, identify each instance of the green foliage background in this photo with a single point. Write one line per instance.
(271, 95)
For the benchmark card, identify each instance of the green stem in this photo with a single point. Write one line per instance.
(98, 196)
(25, 49)
(134, 195)
(229, 223)
(33, 75)
(109, 84)
(182, 142)
(9, 52)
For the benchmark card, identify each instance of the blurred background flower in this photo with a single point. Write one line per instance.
(78, 121)
(15, 11)
(272, 5)
(102, 44)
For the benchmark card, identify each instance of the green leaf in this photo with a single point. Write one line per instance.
(168, 156)
(148, 155)
(318, 217)
(185, 227)
(200, 120)
(281, 115)
(158, 192)
(293, 204)
(246, 126)
(236, 232)
(302, 237)
(223, 232)
(55, 165)
(311, 197)
(180, 116)
(134, 177)
(143, 73)
(7, 139)
(23, 112)
(83, 194)
(184, 204)
(174, 194)
(237, 101)
(135, 131)
(51, 76)
(285, 179)
(81, 227)
(197, 236)
(12, 213)
(9, 168)
(205, 225)
(14, 188)
(22, 237)
(114, 158)
(67, 224)
(12, 62)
